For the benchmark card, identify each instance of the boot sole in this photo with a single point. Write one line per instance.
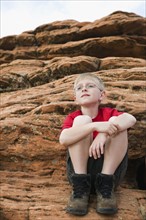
(107, 211)
(76, 212)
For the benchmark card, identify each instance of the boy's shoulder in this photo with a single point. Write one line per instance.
(110, 111)
(102, 111)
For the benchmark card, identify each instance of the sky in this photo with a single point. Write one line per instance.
(18, 16)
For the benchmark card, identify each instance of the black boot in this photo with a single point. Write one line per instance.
(78, 203)
(106, 200)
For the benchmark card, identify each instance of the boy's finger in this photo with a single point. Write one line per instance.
(90, 152)
(94, 152)
(98, 152)
(101, 148)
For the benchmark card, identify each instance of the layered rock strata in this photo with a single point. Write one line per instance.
(38, 69)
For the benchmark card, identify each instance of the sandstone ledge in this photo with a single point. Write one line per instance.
(37, 72)
(29, 196)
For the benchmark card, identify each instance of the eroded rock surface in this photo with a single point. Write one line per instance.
(38, 69)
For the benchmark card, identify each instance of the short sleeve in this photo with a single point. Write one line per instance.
(68, 122)
(115, 112)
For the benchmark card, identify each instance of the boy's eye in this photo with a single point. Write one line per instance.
(91, 86)
(78, 88)
(88, 86)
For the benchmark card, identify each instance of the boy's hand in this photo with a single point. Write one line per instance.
(97, 146)
(106, 127)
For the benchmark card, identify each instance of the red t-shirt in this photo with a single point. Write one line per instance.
(104, 114)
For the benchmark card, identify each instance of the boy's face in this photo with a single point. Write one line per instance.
(87, 92)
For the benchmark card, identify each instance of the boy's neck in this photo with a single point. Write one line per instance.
(91, 111)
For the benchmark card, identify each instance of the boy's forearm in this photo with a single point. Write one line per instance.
(74, 134)
(123, 121)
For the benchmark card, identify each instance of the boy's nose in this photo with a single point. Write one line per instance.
(84, 88)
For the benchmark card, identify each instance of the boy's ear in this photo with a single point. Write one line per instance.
(102, 95)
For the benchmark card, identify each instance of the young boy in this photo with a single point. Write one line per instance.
(97, 143)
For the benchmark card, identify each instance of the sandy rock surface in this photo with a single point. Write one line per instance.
(38, 69)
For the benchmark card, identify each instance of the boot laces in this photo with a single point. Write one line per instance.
(106, 191)
(105, 188)
(80, 189)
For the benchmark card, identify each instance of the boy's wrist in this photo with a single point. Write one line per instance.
(93, 127)
(104, 134)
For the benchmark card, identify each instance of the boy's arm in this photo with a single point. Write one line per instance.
(116, 124)
(74, 134)
(123, 121)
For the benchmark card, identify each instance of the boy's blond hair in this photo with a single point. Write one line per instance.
(91, 76)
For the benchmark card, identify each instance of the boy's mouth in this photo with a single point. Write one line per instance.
(84, 95)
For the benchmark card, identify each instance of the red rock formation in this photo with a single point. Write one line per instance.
(37, 73)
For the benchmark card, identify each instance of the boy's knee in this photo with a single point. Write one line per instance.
(82, 119)
(121, 137)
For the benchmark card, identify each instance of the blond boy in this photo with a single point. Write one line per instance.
(97, 143)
